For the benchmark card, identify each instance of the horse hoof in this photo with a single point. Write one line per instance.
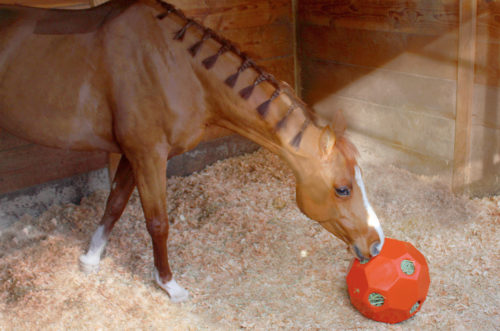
(88, 266)
(176, 292)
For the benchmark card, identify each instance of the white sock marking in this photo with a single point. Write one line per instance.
(97, 244)
(372, 217)
(174, 290)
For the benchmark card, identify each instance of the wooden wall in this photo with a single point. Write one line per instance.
(392, 67)
(262, 28)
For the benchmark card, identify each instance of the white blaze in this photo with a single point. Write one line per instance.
(372, 217)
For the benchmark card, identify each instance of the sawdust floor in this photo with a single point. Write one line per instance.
(249, 258)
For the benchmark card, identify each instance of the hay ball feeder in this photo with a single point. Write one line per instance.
(392, 286)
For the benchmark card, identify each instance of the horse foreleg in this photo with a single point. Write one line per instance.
(150, 173)
(121, 188)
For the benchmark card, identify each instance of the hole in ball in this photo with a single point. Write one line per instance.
(415, 307)
(376, 299)
(407, 267)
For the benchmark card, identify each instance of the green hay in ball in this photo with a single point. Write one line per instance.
(376, 299)
(415, 307)
(407, 267)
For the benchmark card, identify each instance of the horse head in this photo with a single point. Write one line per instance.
(330, 190)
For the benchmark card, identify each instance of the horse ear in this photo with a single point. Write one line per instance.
(339, 123)
(326, 140)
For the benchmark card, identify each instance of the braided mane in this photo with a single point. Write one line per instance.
(247, 63)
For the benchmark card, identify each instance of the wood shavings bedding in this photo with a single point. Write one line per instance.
(248, 257)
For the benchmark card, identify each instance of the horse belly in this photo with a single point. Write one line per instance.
(43, 126)
(68, 128)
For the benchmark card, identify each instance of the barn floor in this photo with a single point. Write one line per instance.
(248, 257)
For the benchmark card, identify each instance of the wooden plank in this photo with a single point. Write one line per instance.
(424, 17)
(417, 131)
(400, 156)
(488, 43)
(434, 56)
(263, 42)
(465, 92)
(486, 109)
(48, 3)
(32, 164)
(233, 14)
(322, 79)
(281, 67)
(488, 22)
(487, 68)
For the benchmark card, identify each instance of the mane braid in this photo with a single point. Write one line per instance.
(247, 63)
(247, 91)
(264, 107)
(169, 9)
(295, 142)
(209, 62)
(282, 122)
(180, 34)
(193, 50)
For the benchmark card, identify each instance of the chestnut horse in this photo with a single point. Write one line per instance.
(139, 78)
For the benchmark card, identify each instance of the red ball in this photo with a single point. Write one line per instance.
(392, 286)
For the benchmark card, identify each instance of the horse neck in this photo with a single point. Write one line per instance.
(240, 95)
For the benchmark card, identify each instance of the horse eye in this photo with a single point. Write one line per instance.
(343, 191)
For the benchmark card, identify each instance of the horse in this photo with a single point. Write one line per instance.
(139, 78)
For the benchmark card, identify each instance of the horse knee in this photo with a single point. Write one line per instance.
(157, 227)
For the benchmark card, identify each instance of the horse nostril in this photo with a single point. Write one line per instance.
(360, 256)
(375, 248)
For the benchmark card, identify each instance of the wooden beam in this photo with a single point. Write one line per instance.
(465, 93)
(48, 3)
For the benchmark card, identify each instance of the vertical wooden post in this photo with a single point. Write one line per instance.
(465, 94)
